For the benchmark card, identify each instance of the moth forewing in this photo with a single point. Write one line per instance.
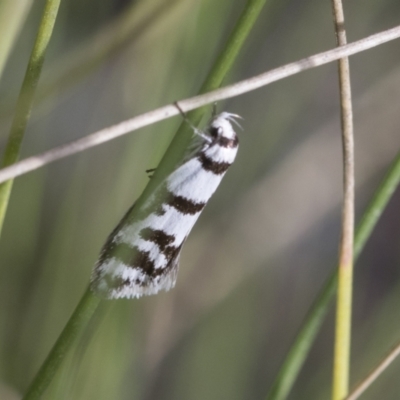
(141, 257)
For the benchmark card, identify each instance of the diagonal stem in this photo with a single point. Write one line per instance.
(159, 114)
(374, 375)
(89, 302)
(80, 318)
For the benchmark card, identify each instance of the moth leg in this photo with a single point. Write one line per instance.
(150, 172)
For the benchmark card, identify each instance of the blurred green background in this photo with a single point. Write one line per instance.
(265, 243)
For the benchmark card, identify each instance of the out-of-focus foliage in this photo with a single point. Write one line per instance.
(264, 244)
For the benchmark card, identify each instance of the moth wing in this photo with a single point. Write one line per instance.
(149, 285)
(96, 273)
(168, 279)
(110, 237)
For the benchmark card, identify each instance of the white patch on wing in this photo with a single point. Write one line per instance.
(153, 286)
(222, 121)
(179, 224)
(150, 285)
(154, 252)
(192, 182)
(172, 223)
(115, 268)
(221, 154)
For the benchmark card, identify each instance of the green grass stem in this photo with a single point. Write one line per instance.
(75, 326)
(126, 29)
(89, 302)
(214, 79)
(25, 99)
(74, 66)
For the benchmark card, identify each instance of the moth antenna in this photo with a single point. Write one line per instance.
(197, 131)
(236, 123)
(231, 117)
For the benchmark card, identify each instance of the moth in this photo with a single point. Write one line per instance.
(141, 257)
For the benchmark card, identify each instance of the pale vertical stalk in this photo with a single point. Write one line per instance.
(312, 323)
(345, 267)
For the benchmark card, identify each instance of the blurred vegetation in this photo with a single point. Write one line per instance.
(266, 241)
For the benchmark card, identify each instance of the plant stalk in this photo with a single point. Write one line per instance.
(341, 365)
(25, 99)
(89, 301)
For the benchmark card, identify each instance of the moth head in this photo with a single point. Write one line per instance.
(221, 131)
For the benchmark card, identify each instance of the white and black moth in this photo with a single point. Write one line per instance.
(141, 257)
